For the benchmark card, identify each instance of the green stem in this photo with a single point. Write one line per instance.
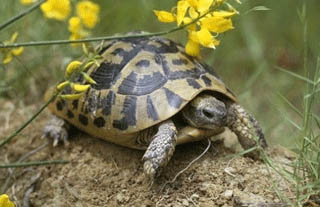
(36, 163)
(6, 140)
(22, 14)
(55, 42)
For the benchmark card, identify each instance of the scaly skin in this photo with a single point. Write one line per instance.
(161, 149)
(246, 128)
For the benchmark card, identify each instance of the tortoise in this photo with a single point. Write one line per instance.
(150, 95)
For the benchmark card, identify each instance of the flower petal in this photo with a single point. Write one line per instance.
(8, 58)
(72, 67)
(182, 7)
(192, 48)
(204, 37)
(193, 13)
(204, 5)
(191, 27)
(79, 87)
(193, 3)
(14, 37)
(88, 13)
(224, 13)
(217, 24)
(56, 9)
(5, 202)
(164, 16)
(17, 51)
(74, 24)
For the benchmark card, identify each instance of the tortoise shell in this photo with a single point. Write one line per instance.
(140, 82)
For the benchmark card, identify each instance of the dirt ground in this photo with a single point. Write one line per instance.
(103, 174)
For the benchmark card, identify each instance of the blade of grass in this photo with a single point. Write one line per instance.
(290, 104)
(36, 163)
(300, 77)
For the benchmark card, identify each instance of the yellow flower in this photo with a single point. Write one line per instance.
(200, 33)
(75, 25)
(88, 13)
(27, 2)
(56, 9)
(76, 29)
(72, 67)
(9, 53)
(5, 202)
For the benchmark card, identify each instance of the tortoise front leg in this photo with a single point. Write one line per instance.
(246, 128)
(160, 149)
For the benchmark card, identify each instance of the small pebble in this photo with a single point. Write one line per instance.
(228, 194)
(185, 202)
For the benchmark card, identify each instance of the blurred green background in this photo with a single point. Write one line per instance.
(246, 58)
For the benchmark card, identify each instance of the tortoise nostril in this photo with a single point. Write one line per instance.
(208, 114)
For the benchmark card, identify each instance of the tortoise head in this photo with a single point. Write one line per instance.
(205, 111)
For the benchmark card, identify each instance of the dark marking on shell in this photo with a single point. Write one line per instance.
(194, 73)
(105, 75)
(99, 122)
(164, 47)
(164, 65)
(206, 80)
(75, 104)
(129, 114)
(83, 119)
(151, 110)
(180, 61)
(173, 99)
(59, 105)
(108, 73)
(143, 63)
(70, 114)
(192, 82)
(107, 102)
(137, 85)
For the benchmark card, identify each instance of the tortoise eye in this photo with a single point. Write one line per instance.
(209, 114)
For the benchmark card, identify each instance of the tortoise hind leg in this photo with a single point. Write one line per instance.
(246, 128)
(161, 149)
(57, 129)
